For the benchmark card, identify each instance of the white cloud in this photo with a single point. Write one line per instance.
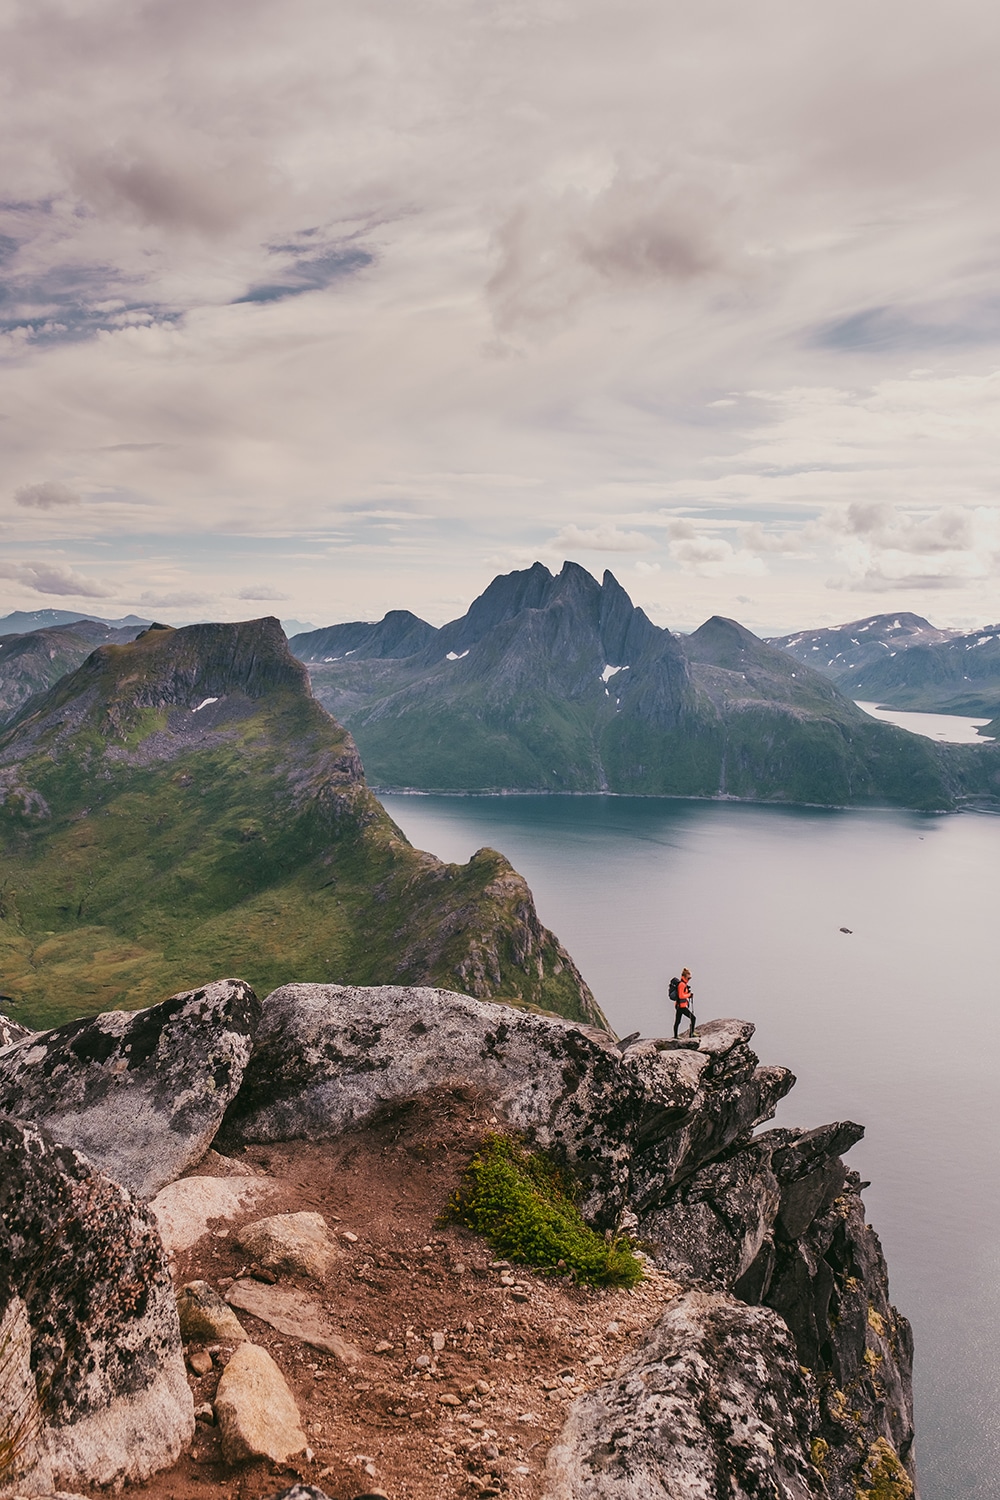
(714, 556)
(502, 262)
(48, 495)
(149, 599)
(261, 591)
(604, 538)
(53, 578)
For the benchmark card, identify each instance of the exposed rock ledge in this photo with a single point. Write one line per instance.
(783, 1370)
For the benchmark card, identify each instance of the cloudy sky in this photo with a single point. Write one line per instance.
(324, 307)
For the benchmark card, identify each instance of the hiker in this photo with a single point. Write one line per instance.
(682, 995)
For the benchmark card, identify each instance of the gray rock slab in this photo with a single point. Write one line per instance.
(186, 1210)
(141, 1093)
(255, 1409)
(715, 1398)
(84, 1285)
(293, 1313)
(327, 1058)
(713, 1225)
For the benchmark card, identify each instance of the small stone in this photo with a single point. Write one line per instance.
(295, 1243)
(199, 1362)
(255, 1409)
(383, 1347)
(483, 1387)
(422, 1361)
(205, 1413)
(459, 1268)
(345, 1234)
(204, 1316)
(438, 1342)
(518, 1296)
(261, 1273)
(448, 1400)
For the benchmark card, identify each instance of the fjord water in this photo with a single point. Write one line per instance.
(895, 1024)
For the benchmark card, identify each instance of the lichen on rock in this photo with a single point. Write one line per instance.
(86, 1268)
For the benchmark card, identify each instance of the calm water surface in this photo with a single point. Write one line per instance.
(952, 729)
(896, 1025)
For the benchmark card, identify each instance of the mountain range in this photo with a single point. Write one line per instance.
(559, 683)
(34, 660)
(902, 661)
(179, 807)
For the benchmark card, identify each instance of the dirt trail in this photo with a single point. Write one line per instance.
(482, 1362)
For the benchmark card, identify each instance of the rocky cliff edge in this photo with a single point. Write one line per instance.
(778, 1366)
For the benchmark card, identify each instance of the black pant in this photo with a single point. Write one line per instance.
(680, 1011)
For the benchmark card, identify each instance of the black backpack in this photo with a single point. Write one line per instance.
(674, 990)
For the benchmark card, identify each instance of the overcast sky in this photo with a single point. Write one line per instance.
(324, 307)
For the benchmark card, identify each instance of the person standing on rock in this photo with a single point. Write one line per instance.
(682, 995)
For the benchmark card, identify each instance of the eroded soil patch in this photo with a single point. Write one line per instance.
(481, 1362)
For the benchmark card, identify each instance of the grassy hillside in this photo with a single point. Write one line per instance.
(150, 843)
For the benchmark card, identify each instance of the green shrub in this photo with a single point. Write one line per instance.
(523, 1206)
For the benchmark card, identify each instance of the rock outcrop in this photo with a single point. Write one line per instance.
(141, 1093)
(781, 1370)
(778, 1221)
(11, 1031)
(329, 1057)
(715, 1405)
(93, 1375)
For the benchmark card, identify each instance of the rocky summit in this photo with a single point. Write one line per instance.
(561, 684)
(902, 661)
(179, 807)
(337, 1321)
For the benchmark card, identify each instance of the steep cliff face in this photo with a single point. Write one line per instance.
(778, 1221)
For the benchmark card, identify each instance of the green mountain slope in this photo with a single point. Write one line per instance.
(36, 659)
(180, 809)
(561, 684)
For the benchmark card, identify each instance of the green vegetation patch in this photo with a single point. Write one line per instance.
(522, 1204)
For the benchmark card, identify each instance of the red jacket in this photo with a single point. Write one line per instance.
(683, 992)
